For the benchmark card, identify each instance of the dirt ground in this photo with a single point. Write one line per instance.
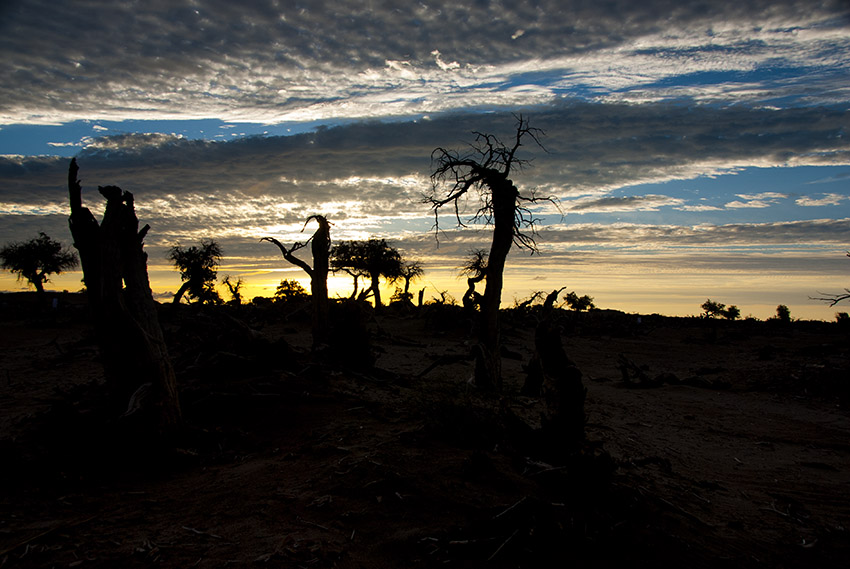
(726, 445)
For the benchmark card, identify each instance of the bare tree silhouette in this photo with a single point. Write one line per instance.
(833, 299)
(235, 289)
(486, 168)
(36, 259)
(410, 271)
(134, 354)
(318, 272)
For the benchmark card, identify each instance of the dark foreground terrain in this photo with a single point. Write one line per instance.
(724, 444)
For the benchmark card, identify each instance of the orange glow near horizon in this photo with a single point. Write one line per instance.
(645, 291)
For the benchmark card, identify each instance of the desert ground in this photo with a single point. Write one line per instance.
(719, 444)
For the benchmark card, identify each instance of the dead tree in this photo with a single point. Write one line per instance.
(833, 299)
(135, 357)
(320, 248)
(486, 168)
(553, 375)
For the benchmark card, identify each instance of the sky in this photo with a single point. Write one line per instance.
(694, 150)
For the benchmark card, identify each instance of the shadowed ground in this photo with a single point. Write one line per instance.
(730, 443)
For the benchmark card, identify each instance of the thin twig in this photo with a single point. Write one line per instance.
(517, 503)
(504, 543)
(314, 524)
(199, 532)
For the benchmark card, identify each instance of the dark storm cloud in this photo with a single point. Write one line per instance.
(259, 59)
(380, 170)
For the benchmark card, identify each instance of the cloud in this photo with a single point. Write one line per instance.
(784, 236)
(63, 144)
(592, 150)
(757, 201)
(261, 61)
(826, 199)
(370, 177)
(701, 207)
(649, 202)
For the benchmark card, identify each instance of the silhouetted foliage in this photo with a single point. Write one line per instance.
(579, 303)
(375, 258)
(289, 289)
(320, 248)
(133, 351)
(783, 313)
(198, 266)
(410, 271)
(485, 168)
(399, 297)
(475, 271)
(36, 259)
(713, 309)
(732, 312)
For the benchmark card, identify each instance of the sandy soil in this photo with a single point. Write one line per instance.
(732, 448)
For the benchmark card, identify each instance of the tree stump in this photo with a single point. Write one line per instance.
(135, 357)
(553, 375)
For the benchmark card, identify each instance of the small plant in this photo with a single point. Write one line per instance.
(400, 296)
(579, 303)
(783, 314)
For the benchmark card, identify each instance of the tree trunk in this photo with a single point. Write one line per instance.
(319, 280)
(38, 283)
(318, 273)
(376, 291)
(135, 357)
(563, 391)
(488, 364)
(180, 292)
(356, 286)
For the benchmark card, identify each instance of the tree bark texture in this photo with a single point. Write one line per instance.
(115, 271)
